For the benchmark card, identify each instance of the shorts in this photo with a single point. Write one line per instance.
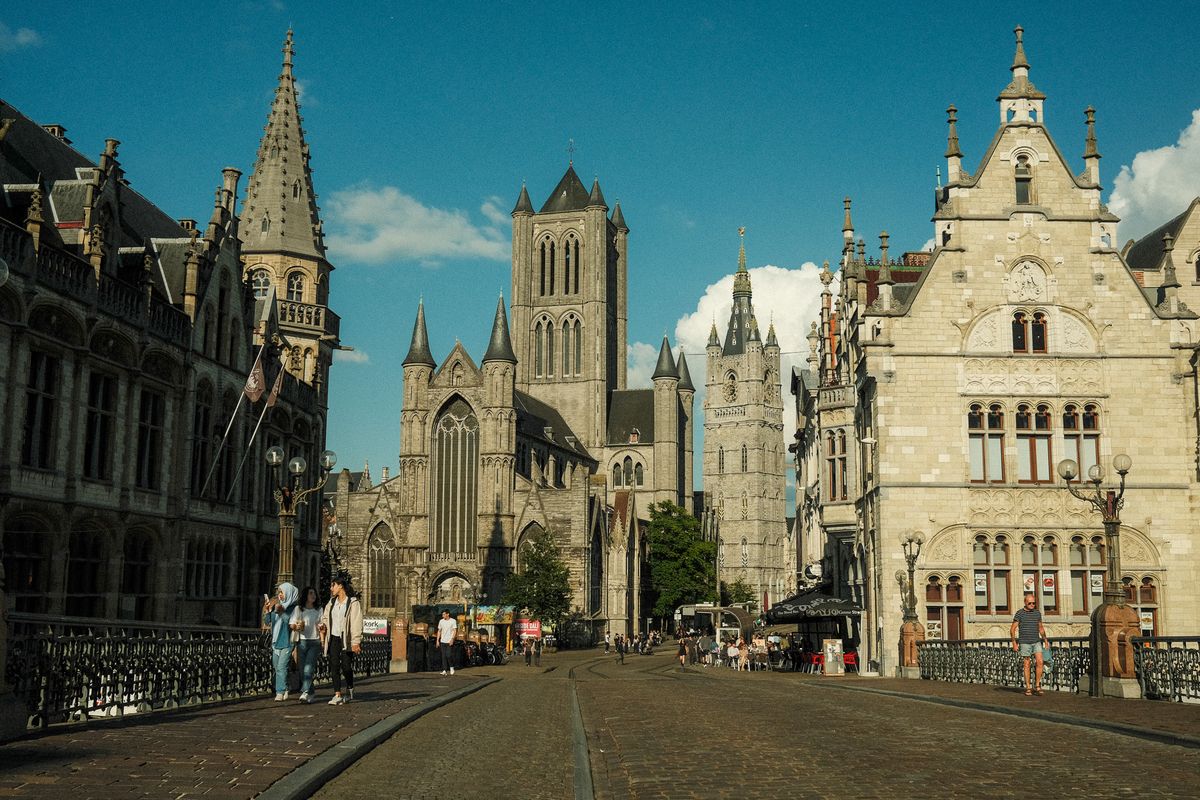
(1027, 650)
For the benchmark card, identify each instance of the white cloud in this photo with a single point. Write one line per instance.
(352, 356)
(493, 209)
(927, 247)
(383, 224)
(641, 358)
(11, 40)
(304, 96)
(1159, 184)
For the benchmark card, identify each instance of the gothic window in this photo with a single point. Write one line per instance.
(101, 426)
(745, 552)
(454, 479)
(575, 246)
(986, 432)
(1038, 333)
(578, 347)
(549, 349)
(1143, 598)
(1033, 444)
(222, 352)
(260, 282)
(381, 568)
(550, 284)
(85, 575)
(720, 460)
(201, 424)
(265, 227)
(1023, 173)
(1020, 332)
(137, 576)
(835, 465)
(745, 505)
(1039, 571)
(542, 271)
(944, 608)
(731, 389)
(567, 265)
(1087, 574)
(566, 349)
(1198, 267)
(1081, 437)
(26, 565)
(295, 287)
(41, 398)
(537, 351)
(992, 570)
(151, 412)
(296, 190)
(638, 474)
(745, 459)
(616, 474)
(627, 464)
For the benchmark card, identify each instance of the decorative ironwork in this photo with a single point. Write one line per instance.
(1168, 667)
(72, 669)
(993, 661)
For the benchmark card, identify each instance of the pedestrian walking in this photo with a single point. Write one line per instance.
(342, 625)
(447, 629)
(620, 649)
(682, 653)
(305, 619)
(1029, 641)
(527, 650)
(277, 613)
(607, 641)
(537, 652)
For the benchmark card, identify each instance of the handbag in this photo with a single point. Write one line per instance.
(1047, 658)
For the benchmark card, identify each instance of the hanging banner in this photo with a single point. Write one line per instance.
(529, 627)
(494, 615)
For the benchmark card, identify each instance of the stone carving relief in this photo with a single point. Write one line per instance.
(1000, 376)
(1137, 551)
(991, 507)
(1027, 283)
(986, 335)
(1074, 336)
(946, 547)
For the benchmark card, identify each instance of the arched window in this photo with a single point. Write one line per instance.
(944, 608)
(1020, 332)
(538, 366)
(1143, 597)
(745, 552)
(381, 568)
(992, 590)
(745, 459)
(201, 431)
(1081, 437)
(627, 464)
(567, 265)
(453, 481)
(745, 505)
(638, 475)
(1087, 574)
(266, 224)
(549, 349)
(542, 279)
(260, 282)
(85, 575)
(566, 348)
(1038, 333)
(1033, 444)
(575, 247)
(550, 284)
(578, 347)
(26, 565)
(296, 190)
(1039, 571)
(616, 474)
(720, 460)
(295, 287)
(1023, 174)
(1198, 267)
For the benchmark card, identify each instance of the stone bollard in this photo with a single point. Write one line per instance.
(399, 661)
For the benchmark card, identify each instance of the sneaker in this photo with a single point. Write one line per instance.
(337, 700)
(279, 696)
(350, 696)
(304, 697)
(285, 696)
(443, 672)
(452, 670)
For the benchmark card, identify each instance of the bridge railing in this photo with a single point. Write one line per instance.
(71, 669)
(993, 661)
(1168, 667)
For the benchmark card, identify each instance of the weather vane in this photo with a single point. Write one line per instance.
(570, 151)
(742, 230)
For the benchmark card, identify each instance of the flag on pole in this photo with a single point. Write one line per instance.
(256, 381)
(274, 395)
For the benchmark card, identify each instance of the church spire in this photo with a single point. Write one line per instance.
(418, 351)
(280, 213)
(500, 347)
(740, 316)
(741, 279)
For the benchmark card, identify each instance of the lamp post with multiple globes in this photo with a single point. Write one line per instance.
(289, 494)
(911, 630)
(1114, 624)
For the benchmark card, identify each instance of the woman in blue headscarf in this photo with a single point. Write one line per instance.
(277, 614)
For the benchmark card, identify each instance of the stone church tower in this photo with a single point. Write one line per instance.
(743, 449)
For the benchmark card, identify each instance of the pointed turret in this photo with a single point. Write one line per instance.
(714, 340)
(685, 377)
(596, 198)
(618, 219)
(772, 341)
(418, 351)
(500, 346)
(280, 214)
(742, 312)
(666, 364)
(755, 336)
(1020, 101)
(523, 206)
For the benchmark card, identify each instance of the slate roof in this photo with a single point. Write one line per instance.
(500, 345)
(629, 409)
(533, 419)
(1146, 253)
(569, 195)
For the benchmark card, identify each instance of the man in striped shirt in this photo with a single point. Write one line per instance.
(1029, 640)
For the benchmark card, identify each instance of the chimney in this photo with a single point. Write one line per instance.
(57, 131)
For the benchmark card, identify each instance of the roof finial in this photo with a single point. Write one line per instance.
(952, 148)
(1019, 60)
(847, 225)
(742, 249)
(1089, 150)
(288, 52)
(570, 152)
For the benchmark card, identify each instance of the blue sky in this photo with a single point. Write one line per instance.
(698, 118)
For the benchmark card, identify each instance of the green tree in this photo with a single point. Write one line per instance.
(737, 592)
(543, 585)
(682, 564)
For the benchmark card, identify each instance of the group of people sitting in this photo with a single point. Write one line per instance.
(731, 652)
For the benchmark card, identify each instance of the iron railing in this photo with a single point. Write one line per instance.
(993, 661)
(1168, 667)
(71, 669)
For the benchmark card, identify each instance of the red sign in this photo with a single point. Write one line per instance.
(529, 627)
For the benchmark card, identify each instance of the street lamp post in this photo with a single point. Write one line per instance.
(1114, 624)
(289, 494)
(911, 630)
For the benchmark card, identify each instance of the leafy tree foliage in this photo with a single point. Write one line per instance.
(543, 585)
(737, 592)
(682, 564)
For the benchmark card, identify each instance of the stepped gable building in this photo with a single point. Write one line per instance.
(944, 405)
(127, 339)
(744, 452)
(540, 434)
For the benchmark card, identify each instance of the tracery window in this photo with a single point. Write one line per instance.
(627, 464)
(992, 572)
(381, 568)
(453, 482)
(137, 576)
(986, 433)
(944, 608)
(41, 400)
(201, 431)
(1143, 597)
(549, 349)
(542, 271)
(260, 282)
(538, 365)
(26, 565)
(638, 474)
(1087, 574)
(1034, 464)
(567, 264)
(101, 425)
(1039, 571)
(578, 347)
(616, 475)
(566, 349)
(295, 287)
(745, 459)
(151, 414)
(720, 460)
(1081, 436)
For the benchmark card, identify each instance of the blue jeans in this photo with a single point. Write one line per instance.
(309, 650)
(280, 656)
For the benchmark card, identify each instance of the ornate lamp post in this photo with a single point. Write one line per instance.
(1114, 624)
(288, 495)
(911, 631)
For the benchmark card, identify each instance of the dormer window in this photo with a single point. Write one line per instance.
(1024, 178)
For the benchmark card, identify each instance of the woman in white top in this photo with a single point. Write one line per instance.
(305, 617)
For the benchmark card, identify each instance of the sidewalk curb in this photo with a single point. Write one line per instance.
(306, 779)
(1121, 729)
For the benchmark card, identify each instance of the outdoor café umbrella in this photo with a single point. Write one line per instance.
(811, 605)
